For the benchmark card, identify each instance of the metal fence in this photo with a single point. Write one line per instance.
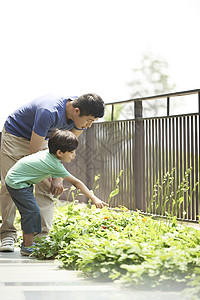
(150, 151)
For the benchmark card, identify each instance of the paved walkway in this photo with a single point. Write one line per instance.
(23, 278)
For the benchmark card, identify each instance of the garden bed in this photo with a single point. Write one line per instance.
(125, 247)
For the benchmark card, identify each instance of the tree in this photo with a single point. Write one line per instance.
(108, 112)
(149, 79)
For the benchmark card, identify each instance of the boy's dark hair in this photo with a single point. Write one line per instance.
(90, 104)
(62, 139)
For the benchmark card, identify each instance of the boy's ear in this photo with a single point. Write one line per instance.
(58, 153)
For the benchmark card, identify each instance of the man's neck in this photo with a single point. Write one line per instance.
(69, 110)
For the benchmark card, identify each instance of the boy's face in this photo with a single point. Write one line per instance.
(67, 156)
(83, 122)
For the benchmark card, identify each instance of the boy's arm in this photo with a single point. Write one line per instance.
(82, 187)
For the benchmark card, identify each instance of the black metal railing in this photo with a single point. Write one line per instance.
(146, 149)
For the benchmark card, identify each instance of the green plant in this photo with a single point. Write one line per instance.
(124, 246)
(166, 201)
(116, 188)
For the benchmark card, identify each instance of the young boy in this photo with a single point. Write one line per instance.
(42, 166)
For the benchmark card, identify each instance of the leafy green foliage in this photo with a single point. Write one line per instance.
(150, 78)
(167, 202)
(124, 246)
(116, 189)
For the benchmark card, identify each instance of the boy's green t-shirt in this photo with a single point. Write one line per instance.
(34, 168)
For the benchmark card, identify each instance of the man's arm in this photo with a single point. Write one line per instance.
(36, 142)
(82, 187)
(47, 183)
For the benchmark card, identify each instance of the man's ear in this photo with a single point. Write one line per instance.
(77, 111)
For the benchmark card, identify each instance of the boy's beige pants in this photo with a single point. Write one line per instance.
(12, 149)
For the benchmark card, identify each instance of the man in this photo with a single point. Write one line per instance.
(26, 131)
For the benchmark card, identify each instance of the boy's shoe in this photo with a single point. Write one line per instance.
(26, 250)
(7, 244)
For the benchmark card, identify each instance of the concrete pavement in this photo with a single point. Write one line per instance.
(24, 278)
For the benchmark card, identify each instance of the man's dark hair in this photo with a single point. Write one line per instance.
(90, 104)
(62, 139)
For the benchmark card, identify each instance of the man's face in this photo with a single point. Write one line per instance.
(83, 122)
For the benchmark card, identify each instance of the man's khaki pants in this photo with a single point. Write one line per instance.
(12, 149)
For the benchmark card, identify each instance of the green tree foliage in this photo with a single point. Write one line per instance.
(149, 79)
(116, 115)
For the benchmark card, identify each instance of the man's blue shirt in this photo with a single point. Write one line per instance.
(41, 115)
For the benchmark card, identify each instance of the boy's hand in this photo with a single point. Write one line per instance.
(99, 203)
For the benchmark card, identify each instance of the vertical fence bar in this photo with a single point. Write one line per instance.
(156, 150)
(159, 150)
(192, 171)
(122, 153)
(127, 165)
(170, 144)
(177, 160)
(146, 165)
(196, 167)
(188, 159)
(184, 157)
(149, 166)
(168, 106)
(166, 145)
(138, 157)
(160, 159)
(115, 159)
(164, 150)
(181, 159)
(173, 157)
(153, 158)
(112, 113)
(131, 183)
(167, 151)
(132, 149)
(132, 162)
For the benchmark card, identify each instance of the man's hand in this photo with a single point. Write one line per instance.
(56, 186)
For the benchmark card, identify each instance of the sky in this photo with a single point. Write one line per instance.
(82, 46)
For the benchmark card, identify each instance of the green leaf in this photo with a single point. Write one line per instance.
(104, 270)
(114, 193)
(180, 200)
